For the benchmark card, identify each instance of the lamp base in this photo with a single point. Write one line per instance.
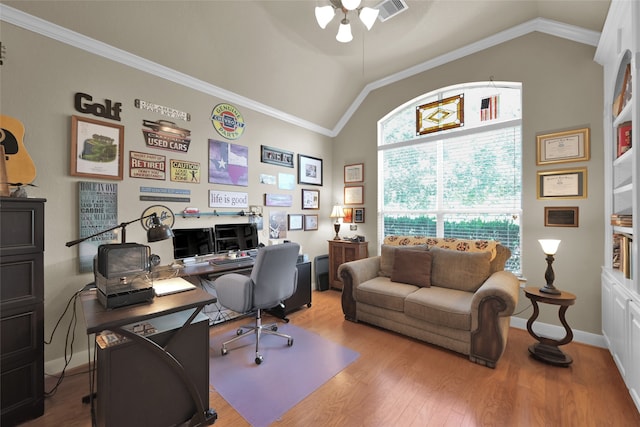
(336, 227)
(550, 290)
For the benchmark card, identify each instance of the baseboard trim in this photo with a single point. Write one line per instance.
(558, 331)
(80, 358)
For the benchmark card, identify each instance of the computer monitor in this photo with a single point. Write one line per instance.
(235, 237)
(192, 242)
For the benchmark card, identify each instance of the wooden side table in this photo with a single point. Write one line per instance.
(546, 350)
(341, 251)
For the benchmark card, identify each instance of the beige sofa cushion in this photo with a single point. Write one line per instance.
(440, 306)
(382, 292)
(465, 271)
(463, 245)
(412, 268)
(387, 256)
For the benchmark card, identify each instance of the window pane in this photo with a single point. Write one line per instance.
(409, 225)
(482, 170)
(410, 178)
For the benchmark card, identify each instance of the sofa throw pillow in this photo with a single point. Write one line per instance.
(465, 271)
(387, 254)
(412, 268)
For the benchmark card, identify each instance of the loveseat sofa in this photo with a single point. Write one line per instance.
(453, 293)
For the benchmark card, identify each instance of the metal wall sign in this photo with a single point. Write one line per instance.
(165, 111)
(146, 165)
(166, 136)
(165, 215)
(227, 121)
(184, 171)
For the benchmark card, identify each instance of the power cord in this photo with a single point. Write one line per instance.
(69, 340)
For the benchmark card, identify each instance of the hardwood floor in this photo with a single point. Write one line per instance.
(403, 382)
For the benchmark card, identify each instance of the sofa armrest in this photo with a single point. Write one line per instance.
(352, 274)
(502, 284)
(491, 308)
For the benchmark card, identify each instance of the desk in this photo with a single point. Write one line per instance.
(547, 349)
(180, 356)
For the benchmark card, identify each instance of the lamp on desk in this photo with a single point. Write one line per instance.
(337, 213)
(549, 247)
(157, 231)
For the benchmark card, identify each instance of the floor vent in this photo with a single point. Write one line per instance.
(390, 8)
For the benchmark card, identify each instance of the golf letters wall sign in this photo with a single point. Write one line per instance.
(109, 110)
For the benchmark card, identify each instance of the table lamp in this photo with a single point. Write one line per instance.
(549, 247)
(337, 213)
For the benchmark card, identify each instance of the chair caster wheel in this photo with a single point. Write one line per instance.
(239, 332)
(259, 360)
(290, 342)
(223, 351)
(274, 328)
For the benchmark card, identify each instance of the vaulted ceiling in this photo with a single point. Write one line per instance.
(274, 54)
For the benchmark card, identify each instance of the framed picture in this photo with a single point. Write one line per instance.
(358, 214)
(563, 147)
(310, 222)
(562, 184)
(348, 215)
(228, 163)
(354, 195)
(354, 173)
(309, 170)
(561, 216)
(281, 200)
(97, 148)
(310, 199)
(275, 156)
(295, 222)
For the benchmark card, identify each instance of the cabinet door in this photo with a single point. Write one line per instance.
(619, 327)
(633, 378)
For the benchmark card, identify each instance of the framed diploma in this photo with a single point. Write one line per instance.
(562, 184)
(563, 147)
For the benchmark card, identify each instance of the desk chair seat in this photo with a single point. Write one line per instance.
(273, 279)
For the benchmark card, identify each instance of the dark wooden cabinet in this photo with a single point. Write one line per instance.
(21, 309)
(341, 251)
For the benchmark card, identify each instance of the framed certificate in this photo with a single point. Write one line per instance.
(563, 147)
(562, 184)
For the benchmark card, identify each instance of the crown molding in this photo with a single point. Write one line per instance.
(88, 44)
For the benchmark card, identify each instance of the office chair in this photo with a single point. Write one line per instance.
(273, 279)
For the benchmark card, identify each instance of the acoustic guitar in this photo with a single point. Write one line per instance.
(19, 166)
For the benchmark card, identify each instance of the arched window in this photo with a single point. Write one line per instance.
(464, 181)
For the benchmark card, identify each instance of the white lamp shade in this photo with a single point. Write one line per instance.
(324, 15)
(351, 4)
(549, 246)
(337, 212)
(344, 32)
(368, 16)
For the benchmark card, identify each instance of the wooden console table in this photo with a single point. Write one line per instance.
(547, 349)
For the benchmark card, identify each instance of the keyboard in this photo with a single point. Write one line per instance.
(232, 261)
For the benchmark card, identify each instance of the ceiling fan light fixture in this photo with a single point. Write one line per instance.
(324, 15)
(351, 4)
(344, 32)
(368, 16)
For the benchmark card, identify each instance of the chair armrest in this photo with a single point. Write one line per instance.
(352, 274)
(235, 291)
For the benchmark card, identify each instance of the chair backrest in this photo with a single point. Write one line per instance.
(274, 274)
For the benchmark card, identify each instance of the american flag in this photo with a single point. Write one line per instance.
(489, 108)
